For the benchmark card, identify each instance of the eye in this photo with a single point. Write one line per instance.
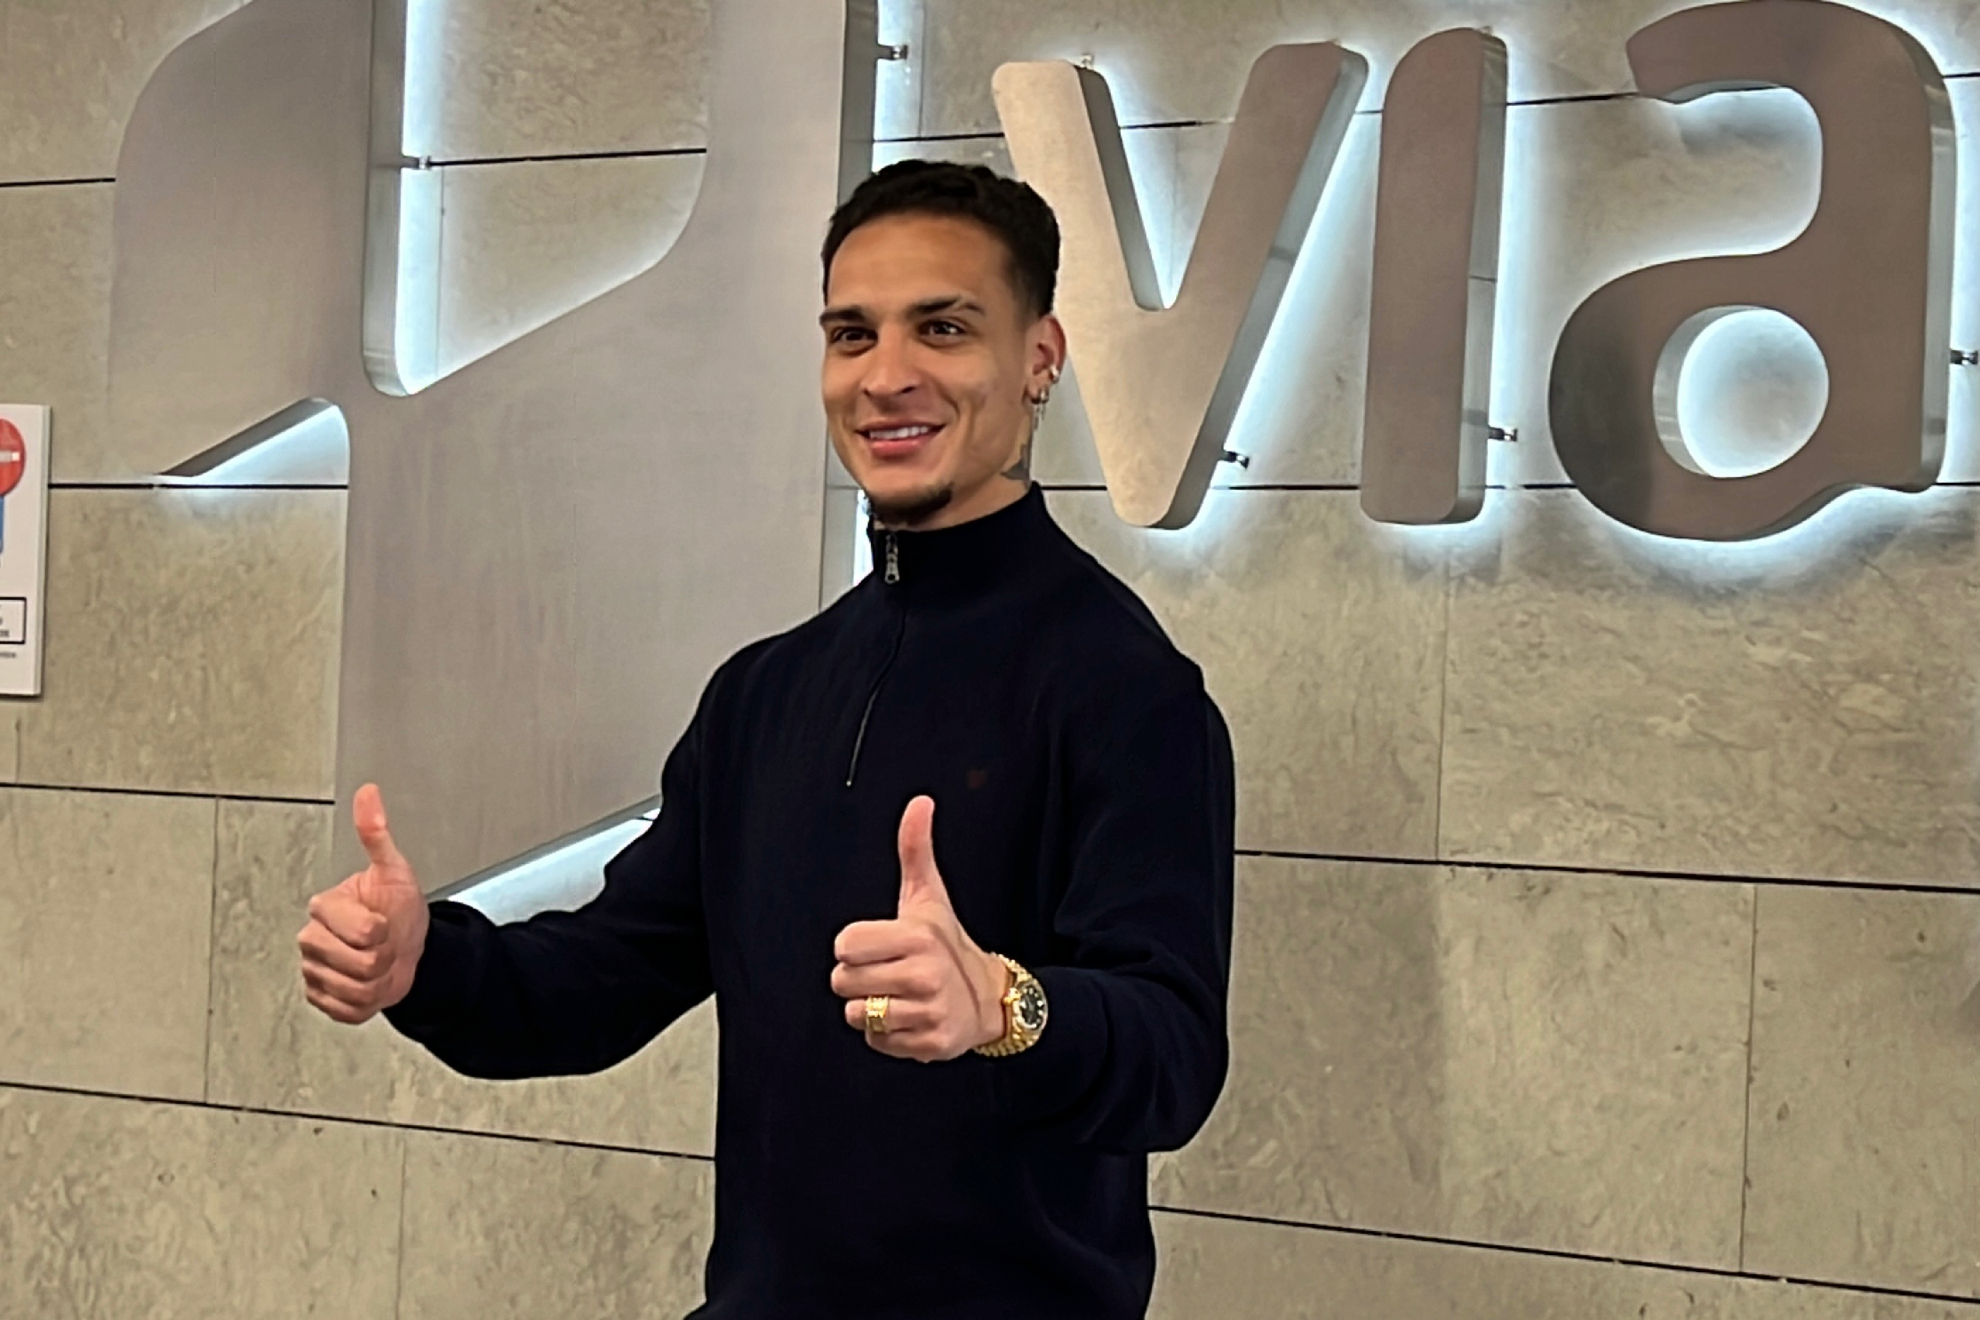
(847, 335)
(944, 329)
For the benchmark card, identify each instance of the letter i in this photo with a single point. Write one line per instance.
(1436, 274)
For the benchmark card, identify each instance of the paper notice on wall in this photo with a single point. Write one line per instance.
(23, 538)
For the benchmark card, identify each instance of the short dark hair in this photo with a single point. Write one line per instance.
(1018, 216)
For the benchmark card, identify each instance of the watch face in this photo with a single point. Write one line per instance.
(1030, 1007)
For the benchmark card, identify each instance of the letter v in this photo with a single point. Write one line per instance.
(1162, 385)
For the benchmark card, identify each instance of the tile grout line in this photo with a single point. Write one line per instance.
(652, 153)
(920, 31)
(399, 1265)
(1552, 1253)
(1510, 488)
(955, 135)
(6, 184)
(116, 791)
(440, 281)
(1317, 487)
(1443, 706)
(196, 486)
(1330, 487)
(347, 1120)
(1287, 854)
(559, 157)
(212, 960)
(1746, 1128)
(1970, 890)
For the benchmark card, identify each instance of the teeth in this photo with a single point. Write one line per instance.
(901, 433)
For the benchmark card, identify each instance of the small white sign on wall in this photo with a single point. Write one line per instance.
(23, 538)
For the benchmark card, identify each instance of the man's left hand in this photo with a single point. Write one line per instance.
(945, 995)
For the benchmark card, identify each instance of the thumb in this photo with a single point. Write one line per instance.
(368, 813)
(921, 881)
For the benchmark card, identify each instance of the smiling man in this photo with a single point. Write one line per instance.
(949, 1040)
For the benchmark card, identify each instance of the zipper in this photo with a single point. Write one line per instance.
(892, 576)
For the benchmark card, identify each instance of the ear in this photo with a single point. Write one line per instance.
(1048, 353)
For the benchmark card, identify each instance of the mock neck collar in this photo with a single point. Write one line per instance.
(966, 560)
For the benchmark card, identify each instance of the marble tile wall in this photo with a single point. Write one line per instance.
(1432, 1050)
(566, 78)
(192, 642)
(70, 73)
(1807, 712)
(1607, 942)
(1866, 1088)
(625, 1240)
(104, 922)
(56, 278)
(118, 1207)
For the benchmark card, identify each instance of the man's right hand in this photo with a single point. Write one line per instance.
(364, 937)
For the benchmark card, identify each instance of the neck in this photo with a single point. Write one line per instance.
(958, 563)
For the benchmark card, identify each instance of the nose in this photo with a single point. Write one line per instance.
(891, 371)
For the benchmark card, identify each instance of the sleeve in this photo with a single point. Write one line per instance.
(565, 993)
(1136, 1045)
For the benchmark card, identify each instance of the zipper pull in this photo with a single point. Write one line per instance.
(893, 560)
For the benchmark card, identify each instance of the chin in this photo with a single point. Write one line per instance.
(892, 481)
(907, 502)
(898, 481)
(896, 487)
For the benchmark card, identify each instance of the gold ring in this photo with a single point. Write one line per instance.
(876, 1014)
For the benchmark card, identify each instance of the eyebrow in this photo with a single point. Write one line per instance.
(856, 315)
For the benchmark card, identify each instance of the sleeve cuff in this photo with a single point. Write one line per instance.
(444, 982)
(1053, 1076)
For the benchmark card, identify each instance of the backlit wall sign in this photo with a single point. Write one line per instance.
(1869, 278)
(573, 530)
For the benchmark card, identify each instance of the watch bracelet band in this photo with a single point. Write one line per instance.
(1015, 1039)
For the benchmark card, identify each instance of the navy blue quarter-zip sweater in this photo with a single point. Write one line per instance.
(1083, 826)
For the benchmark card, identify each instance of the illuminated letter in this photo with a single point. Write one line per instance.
(1436, 273)
(1162, 385)
(1869, 279)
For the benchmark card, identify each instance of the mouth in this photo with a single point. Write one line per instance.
(899, 440)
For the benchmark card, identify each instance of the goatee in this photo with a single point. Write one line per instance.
(912, 511)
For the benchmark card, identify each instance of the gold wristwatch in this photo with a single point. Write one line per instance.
(1025, 1011)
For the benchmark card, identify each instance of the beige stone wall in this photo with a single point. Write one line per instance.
(1607, 942)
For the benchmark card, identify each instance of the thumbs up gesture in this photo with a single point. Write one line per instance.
(944, 996)
(365, 936)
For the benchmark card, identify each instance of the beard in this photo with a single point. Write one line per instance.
(912, 510)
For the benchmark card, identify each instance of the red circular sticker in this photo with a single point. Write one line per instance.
(13, 457)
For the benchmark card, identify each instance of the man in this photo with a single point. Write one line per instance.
(948, 1041)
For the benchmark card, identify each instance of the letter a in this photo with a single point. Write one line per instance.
(1869, 279)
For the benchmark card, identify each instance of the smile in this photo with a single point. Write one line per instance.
(888, 434)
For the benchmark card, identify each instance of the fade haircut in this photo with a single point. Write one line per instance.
(1018, 216)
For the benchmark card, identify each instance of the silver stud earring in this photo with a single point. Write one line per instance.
(1043, 397)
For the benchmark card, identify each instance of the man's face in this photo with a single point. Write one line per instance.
(930, 360)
